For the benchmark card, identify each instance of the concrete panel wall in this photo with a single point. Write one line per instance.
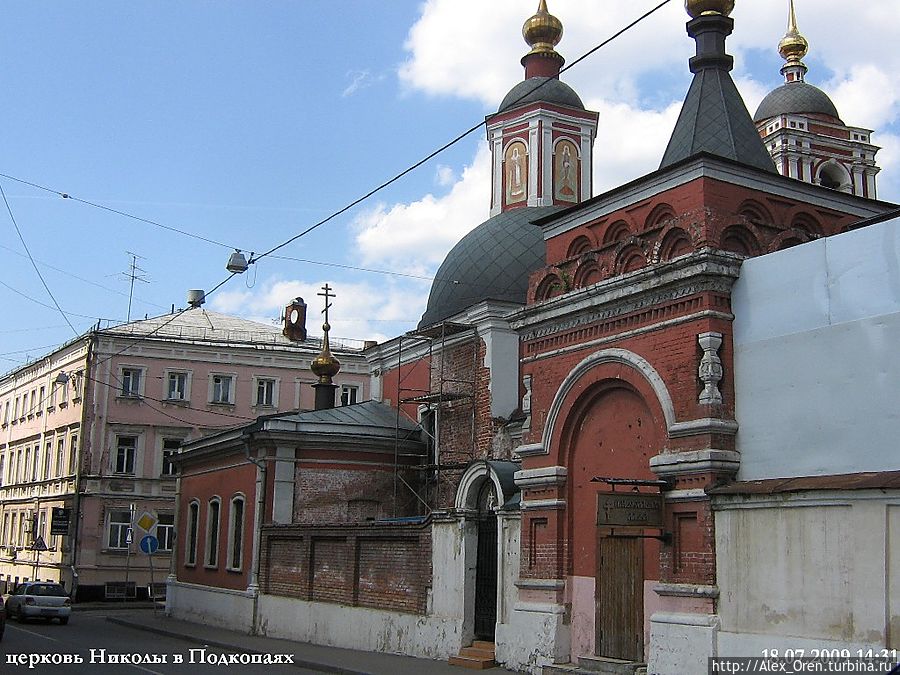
(210, 606)
(806, 567)
(816, 373)
(359, 628)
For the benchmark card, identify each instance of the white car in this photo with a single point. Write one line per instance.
(39, 599)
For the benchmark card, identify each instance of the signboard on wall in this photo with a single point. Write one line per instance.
(629, 509)
(59, 520)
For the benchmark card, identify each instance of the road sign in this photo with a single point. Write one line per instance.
(149, 544)
(39, 544)
(59, 521)
(129, 535)
(147, 521)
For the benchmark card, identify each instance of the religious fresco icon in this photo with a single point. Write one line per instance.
(565, 172)
(516, 163)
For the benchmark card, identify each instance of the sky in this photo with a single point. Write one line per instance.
(184, 129)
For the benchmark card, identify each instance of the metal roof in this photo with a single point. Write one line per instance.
(492, 261)
(714, 119)
(795, 97)
(541, 90)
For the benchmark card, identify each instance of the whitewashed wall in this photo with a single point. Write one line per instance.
(817, 371)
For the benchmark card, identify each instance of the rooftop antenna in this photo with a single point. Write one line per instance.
(134, 273)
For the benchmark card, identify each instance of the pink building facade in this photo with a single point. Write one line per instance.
(89, 430)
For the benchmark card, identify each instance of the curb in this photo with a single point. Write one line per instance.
(298, 663)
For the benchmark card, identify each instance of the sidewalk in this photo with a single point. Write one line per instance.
(315, 657)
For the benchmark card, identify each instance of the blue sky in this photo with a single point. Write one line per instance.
(244, 122)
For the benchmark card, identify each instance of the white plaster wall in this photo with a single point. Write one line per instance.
(510, 528)
(210, 606)
(537, 635)
(448, 569)
(359, 628)
(681, 643)
(806, 568)
(815, 335)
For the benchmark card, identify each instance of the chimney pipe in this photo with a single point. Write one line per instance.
(295, 320)
(196, 298)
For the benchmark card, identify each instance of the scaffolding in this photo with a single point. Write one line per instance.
(447, 389)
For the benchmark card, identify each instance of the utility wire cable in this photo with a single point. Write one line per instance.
(34, 264)
(452, 142)
(118, 212)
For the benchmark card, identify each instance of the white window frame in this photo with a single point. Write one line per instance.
(167, 381)
(258, 382)
(60, 456)
(214, 385)
(134, 456)
(347, 389)
(126, 377)
(169, 528)
(121, 526)
(213, 532)
(236, 549)
(163, 452)
(48, 459)
(192, 532)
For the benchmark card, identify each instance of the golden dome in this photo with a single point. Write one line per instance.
(793, 46)
(697, 7)
(543, 31)
(325, 366)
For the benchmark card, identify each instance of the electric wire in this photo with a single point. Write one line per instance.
(452, 142)
(33, 264)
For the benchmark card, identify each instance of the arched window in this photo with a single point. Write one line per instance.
(193, 522)
(236, 534)
(212, 532)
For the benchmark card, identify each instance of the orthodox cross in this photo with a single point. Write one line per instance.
(327, 295)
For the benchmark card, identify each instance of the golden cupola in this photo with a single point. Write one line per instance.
(542, 32)
(793, 47)
(708, 7)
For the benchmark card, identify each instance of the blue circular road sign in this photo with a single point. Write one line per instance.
(149, 544)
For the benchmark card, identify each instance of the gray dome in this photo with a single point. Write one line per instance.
(795, 97)
(554, 91)
(492, 261)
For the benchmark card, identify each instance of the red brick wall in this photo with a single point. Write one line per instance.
(231, 475)
(383, 566)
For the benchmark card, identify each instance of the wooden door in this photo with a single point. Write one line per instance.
(619, 619)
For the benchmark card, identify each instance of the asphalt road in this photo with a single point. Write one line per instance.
(52, 648)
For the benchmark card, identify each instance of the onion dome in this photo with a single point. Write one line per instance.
(795, 96)
(325, 366)
(707, 7)
(492, 262)
(542, 32)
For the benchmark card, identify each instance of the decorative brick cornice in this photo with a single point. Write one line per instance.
(697, 461)
(549, 476)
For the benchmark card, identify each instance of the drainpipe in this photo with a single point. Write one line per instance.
(83, 437)
(253, 587)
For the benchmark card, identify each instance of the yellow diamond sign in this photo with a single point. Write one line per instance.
(147, 521)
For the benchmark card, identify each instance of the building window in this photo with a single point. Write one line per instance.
(165, 531)
(119, 524)
(177, 386)
(60, 456)
(190, 554)
(2, 466)
(35, 463)
(126, 449)
(52, 401)
(131, 382)
(16, 409)
(48, 456)
(222, 389)
(212, 532)
(73, 453)
(170, 449)
(349, 394)
(236, 534)
(63, 394)
(265, 392)
(6, 413)
(40, 403)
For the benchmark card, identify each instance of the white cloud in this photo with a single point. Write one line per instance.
(445, 175)
(359, 79)
(361, 310)
(415, 237)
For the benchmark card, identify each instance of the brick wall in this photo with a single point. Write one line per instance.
(382, 565)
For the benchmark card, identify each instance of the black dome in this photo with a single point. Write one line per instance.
(795, 97)
(554, 91)
(492, 261)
